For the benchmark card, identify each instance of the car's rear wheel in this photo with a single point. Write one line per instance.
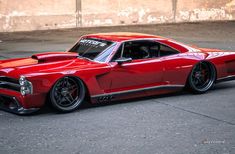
(202, 77)
(67, 94)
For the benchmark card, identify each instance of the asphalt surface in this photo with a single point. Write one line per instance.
(176, 123)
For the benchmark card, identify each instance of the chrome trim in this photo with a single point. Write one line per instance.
(227, 78)
(140, 89)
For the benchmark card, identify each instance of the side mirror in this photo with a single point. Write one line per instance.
(123, 60)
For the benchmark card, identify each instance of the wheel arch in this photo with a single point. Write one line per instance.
(87, 92)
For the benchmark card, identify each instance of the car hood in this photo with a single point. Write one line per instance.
(44, 63)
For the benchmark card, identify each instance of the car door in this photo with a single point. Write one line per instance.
(143, 72)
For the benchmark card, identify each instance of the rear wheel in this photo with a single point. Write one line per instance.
(67, 94)
(202, 77)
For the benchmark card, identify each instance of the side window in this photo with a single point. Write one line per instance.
(166, 51)
(134, 50)
(154, 50)
(143, 49)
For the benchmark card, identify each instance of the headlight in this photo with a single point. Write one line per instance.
(22, 80)
(26, 86)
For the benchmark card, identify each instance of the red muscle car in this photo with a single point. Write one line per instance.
(110, 66)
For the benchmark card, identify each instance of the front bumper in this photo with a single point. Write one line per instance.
(13, 101)
(11, 104)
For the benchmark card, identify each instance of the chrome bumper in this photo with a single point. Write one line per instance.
(10, 104)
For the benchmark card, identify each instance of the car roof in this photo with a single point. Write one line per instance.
(124, 36)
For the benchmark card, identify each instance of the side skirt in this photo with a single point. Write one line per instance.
(107, 97)
(228, 78)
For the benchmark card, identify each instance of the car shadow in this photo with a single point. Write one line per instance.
(48, 109)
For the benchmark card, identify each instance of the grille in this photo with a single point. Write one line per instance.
(9, 83)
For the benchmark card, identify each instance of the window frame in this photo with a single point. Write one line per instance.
(121, 44)
(170, 48)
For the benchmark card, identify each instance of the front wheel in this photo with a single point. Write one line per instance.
(67, 94)
(202, 77)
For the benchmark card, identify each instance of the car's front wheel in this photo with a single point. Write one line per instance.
(202, 77)
(67, 94)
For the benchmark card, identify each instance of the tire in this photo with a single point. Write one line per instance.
(202, 77)
(67, 94)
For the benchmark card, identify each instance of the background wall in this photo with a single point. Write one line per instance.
(52, 14)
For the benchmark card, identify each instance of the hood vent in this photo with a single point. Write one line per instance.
(54, 56)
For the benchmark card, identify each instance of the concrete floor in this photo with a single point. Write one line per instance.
(177, 123)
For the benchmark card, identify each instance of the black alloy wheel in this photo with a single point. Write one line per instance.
(202, 77)
(67, 94)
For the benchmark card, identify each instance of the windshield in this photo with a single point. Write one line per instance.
(93, 48)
